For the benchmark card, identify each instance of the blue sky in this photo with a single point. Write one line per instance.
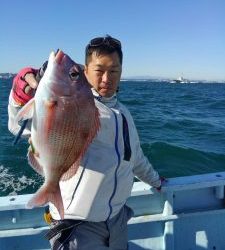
(160, 38)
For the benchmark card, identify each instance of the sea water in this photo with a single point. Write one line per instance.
(181, 129)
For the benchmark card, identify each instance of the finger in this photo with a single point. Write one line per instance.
(163, 179)
(29, 90)
(31, 148)
(159, 188)
(30, 78)
(29, 140)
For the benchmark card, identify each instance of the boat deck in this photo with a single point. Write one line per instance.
(188, 214)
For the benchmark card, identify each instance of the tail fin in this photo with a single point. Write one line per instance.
(43, 196)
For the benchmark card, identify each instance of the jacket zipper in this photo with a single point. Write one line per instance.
(117, 167)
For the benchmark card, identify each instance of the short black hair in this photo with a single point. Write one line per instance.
(103, 46)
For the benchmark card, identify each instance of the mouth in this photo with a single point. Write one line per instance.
(105, 89)
(109, 87)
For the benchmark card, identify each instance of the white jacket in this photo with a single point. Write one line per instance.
(105, 177)
(104, 180)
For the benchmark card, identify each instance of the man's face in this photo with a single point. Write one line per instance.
(103, 73)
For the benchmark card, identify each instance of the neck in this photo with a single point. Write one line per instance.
(108, 101)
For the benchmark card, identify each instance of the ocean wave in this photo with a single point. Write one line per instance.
(184, 123)
(217, 104)
(12, 184)
(173, 160)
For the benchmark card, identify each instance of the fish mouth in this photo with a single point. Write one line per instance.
(59, 56)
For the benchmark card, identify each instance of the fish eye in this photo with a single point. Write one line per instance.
(74, 75)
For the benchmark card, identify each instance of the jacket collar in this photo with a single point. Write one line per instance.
(110, 102)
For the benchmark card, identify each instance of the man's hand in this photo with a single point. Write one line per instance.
(163, 180)
(31, 148)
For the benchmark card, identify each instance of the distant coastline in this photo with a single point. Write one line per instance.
(166, 80)
(135, 78)
(6, 75)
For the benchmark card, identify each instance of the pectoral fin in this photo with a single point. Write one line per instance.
(26, 111)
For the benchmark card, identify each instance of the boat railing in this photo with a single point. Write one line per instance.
(189, 208)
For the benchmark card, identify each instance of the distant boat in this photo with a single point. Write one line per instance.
(180, 80)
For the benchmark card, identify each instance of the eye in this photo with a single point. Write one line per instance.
(74, 75)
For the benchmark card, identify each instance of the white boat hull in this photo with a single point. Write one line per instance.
(188, 214)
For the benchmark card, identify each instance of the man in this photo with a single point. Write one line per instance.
(94, 199)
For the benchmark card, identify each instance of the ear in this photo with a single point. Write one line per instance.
(85, 70)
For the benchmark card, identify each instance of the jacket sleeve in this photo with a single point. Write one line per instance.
(13, 126)
(14, 108)
(143, 169)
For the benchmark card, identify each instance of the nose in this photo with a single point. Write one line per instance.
(106, 77)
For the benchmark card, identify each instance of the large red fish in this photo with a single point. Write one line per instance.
(64, 122)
